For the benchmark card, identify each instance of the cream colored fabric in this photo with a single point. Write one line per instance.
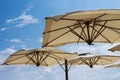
(116, 48)
(104, 26)
(92, 59)
(46, 56)
(114, 65)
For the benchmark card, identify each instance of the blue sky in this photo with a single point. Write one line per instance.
(21, 26)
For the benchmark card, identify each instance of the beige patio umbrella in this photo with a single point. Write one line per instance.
(113, 65)
(94, 59)
(82, 26)
(46, 56)
(115, 48)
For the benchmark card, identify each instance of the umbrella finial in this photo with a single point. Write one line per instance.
(91, 66)
(89, 42)
(37, 64)
(37, 52)
(87, 23)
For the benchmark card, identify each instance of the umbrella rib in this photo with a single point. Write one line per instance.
(102, 36)
(43, 59)
(115, 30)
(84, 61)
(60, 64)
(45, 63)
(91, 62)
(64, 16)
(100, 31)
(99, 16)
(29, 59)
(37, 58)
(108, 20)
(34, 54)
(53, 56)
(69, 67)
(106, 59)
(83, 27)
(96, 59)
(88, 31)
(93, 31)
(41, 55)
(75, 33)
(81, 19)
(71, 19)
(16, 54)
(84, 34)
(57, 37)
(108, 27)
(60, 28)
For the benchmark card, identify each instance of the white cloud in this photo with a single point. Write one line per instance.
(23, 46)
(28, 8)
(79, 48)
(14, 40)
(4, 28)
(83, 48)
(48, 70)
(40, 40)
(17, 43)
(96, 73)
(22, 20)
(7, 51)
(28, 39)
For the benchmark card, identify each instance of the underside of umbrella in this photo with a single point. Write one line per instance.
(82, 26)
(116, 48)
(112, 66)
(38, 57)
(92, 60)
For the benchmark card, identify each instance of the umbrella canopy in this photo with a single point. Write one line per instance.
(94, 59)
(116, 48)
(40, 56)
(114, 65)
(82, 26)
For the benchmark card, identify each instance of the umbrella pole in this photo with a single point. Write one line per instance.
(66, 69)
